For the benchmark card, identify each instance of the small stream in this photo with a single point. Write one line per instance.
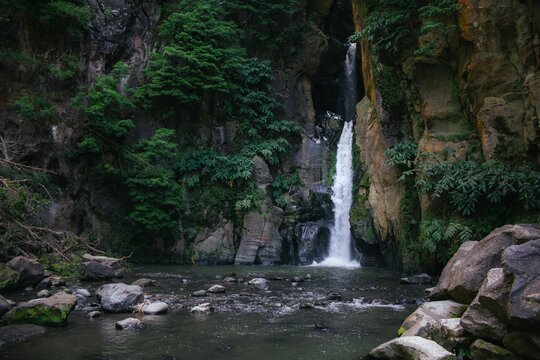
(248, 323)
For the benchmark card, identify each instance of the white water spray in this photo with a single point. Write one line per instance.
(340, 252)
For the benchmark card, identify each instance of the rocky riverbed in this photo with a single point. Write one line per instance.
(296, 313)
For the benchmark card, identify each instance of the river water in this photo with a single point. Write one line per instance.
(248, 323)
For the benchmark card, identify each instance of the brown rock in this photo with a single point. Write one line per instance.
(483, 350)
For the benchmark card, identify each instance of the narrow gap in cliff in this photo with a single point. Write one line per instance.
(326, 83)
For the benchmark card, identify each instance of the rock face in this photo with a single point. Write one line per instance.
(261, 241)
(216, 248)
(521, 264)
(30, 271)
(100, 268)
(51, 311)
(119, 297)
(464, 274)
(313, 241)
(410, 348)
(9, 278)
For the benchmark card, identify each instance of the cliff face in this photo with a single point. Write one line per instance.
(473, 97)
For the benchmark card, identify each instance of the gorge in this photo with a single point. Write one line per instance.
(198, 141)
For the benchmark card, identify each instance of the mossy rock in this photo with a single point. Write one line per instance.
(9, 278)
(52, 311)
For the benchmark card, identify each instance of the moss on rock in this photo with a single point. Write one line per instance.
(9, 278)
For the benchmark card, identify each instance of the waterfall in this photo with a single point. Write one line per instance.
(340, 253)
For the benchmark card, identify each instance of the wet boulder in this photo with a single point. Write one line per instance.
(260, 283)
(51, 311)
(410, 348)
(450, 334)
(9, 278)
(155, 308)
(421, 322)
(129, 324)
(202, 309)
(119, 297)
(30, 271)
(480, 322)
(100, 268)
(464, 274)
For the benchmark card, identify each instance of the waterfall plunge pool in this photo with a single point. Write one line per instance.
(248, 323)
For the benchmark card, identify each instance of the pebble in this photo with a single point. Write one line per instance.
(94, 314)
(83, 292)
(199, 293)
(44, 293)
(217, 289)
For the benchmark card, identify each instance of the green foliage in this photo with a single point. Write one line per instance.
(278, 24)
(201, 53)
(34, 107)
(108, 117)
(67, 68)
(402, 154)
(70, 16)
(442, 239)
(281, 186)
(469, 184)
(388, 84)
(156, 194)
(389, 24)
(436, 16)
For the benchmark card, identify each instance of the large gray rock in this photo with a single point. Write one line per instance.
(422, 321)
(9, 278)
(216, 248)
(217, 289)
(261, 241)
(523, 343)
(30, 271)
(464, 274)
(260, 283)
(12, 334)
(410, 348)
(521, 265)
(119, 297)
(51, 311)
(493, 294)
(483, 350)
(261, 173)
(450, 334)
(100, 268)
(480, 322)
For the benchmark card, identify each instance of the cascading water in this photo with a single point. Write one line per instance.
(340, 253)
